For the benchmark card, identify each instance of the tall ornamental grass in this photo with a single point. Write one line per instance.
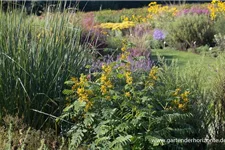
(37, 55)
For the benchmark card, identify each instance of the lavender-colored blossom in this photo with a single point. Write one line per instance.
(158, 34)
(194, 11)
(139, 60)
(97, 64)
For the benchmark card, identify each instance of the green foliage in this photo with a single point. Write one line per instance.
(156, 44)
(216, 109)
(135, 115)
(202, 49)
(219, 39)
(206, 81)
(114, 42)
(219, 25)
(190, 31)
(115, 16)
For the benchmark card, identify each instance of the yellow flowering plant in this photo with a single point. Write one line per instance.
(181, 100)
(157, 11)
(216, 8)
(119, 103)
(134, 18)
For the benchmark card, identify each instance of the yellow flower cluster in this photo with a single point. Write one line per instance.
(106, 84)
(128, 77)
(153, 73)
(181, 100)
(134, 18)
(152, 77)
(157, 9)
(127, 66)
(124, 53)
(176, 92)
(118, 26)
(80, 88)
(216, 7)
(154, 8)
(127, 94)
(184, 96)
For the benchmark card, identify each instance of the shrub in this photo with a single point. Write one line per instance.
(114, 42)
(190, 31)
(220, 32)
(220, 39)
(219, 25)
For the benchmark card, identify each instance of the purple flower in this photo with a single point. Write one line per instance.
(139, 60)
(194, 11)
(158, 34)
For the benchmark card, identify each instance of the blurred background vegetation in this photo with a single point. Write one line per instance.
(38, 7)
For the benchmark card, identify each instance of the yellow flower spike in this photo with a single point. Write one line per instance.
(103, 78)
(103, 89)
(107, 69)
(103, 67)
(184, 96)
(153, 73)
(185, 100)
(75, 80)
(123, 57)
(84, 97)
(82, 94)
(127, 94)
(177, 91)
(83, 80)
(126, 19)
(88, 106)
(108, 97)
(180, 106)
(108, 84)
(186, 93)
(129, 79)
(176, 102)
(80, 91)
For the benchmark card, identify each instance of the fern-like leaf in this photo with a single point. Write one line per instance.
(120, 141)
(76, 139)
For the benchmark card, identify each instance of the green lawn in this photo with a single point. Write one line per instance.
(182, 57)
